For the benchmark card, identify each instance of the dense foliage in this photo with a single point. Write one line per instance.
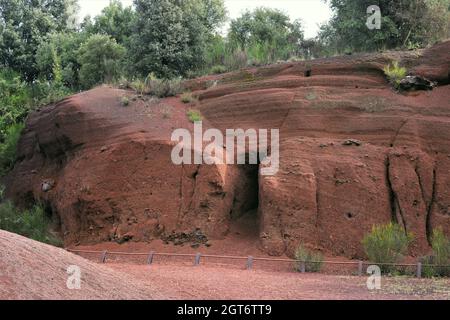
(268, 34)
(404, 23)
(24, 24)
(100, 59)
(115, 20)
(170, 36)
(33, 223)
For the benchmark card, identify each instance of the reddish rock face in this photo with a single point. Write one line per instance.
(353, 153)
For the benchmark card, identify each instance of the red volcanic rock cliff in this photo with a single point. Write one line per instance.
(108, 173)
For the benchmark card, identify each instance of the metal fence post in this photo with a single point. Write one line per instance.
(419, 270)
(249, 263)
(360, 268)
(302, 267)
(150, 257)
(103, 258)
(197, 259)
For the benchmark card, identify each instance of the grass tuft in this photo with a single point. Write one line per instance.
(194, 116)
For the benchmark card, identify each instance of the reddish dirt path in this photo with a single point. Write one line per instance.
(32, 270)
(215, 279)
(219, 283)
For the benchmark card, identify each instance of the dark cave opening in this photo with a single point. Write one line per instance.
(245, 213)
(52, 216)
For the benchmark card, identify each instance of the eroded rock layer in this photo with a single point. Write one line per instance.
(353, 153)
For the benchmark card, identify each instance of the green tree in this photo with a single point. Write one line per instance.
(267, 31)
(170, 36)
(14, 101)
(100, 58)
(404, 23)
(115, 20)
(23, 25)
(62, 46)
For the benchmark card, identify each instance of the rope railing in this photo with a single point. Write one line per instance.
(250, 260)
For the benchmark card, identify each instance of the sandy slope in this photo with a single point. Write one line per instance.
(32, 270)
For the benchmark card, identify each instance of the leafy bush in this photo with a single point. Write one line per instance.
(218, 69)
(266, 35)
(387, 244)
(237, 60)
(170, 37)
(194, 116)
(163, 87)
(32, 223)
(139, 86)
(15, 99)
(125, 101)
(420, 21)
(313, 261)
(44, 92)
(8, 148)
(60, 49)
(395, 73)
(441, 256)
(100, 58)
(187, 97)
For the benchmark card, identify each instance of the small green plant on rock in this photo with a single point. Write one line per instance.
(395, 73)
(312, 260)
(125, 101)
(194, 116)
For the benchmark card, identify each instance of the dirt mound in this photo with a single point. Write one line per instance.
(32, 270)
(112, 178)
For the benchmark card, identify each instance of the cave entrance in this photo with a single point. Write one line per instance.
(245, 213)
(52, 216)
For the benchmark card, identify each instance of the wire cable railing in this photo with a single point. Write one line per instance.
(250, 260)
